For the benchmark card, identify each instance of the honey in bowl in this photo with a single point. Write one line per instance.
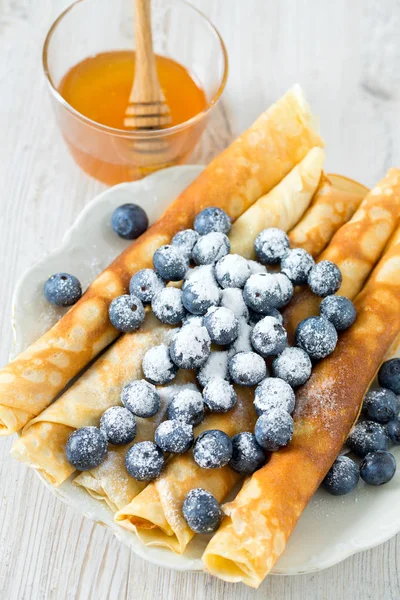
(99, 87)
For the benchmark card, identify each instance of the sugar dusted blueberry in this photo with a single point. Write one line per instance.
(187, 406)
(286, 289)
(141, 398)
(247, 368)
(219, 395)
(129, 221)
(200, 290)
(212, 449)
(271, 245)
(393, 429)
(222, 325)
(145, 284)
(274, 393)
(381, 405)
(268, 337)
(211, 219)
(262, 292)
(247, 454)
(293, 365)
(144, 461)
(232, 271)
(168, 307)
(316, 336)
(157, 365)
(190, 347)
(62, 289)
(378, 467)
(201, 511)
(274, 429)
(174, 436)
(256, 267)
(185, 240)
(296, 264)
(340, 311)
(342, 477)
(255, 317)
(170, 263)
(389, 375)
(119, 425)
(126, 313)
(86, 448)
(366, 437)
(324, 278)
(210, 248)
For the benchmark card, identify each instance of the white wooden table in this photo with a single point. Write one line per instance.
(346, 54)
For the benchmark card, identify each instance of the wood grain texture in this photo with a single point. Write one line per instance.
(347, 57)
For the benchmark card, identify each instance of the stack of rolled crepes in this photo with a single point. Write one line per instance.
(271, 176)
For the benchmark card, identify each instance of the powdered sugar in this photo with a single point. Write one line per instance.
(215, 366)
(232, 298)
(232, 271)
(256, 267)
(242, 342)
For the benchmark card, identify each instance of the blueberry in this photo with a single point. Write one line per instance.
(254, 317)
(216, 364)
(256, 267)
(193, 320)
(144, 461)
(325, 278)
(271, 245)
(190, 347)
(219, 395)
(167, 306)
(342, 477)
(199, 295)
(126, 313)
(210, 248)
(145, 284)
(393, 429)
(86, 448)
(185, 241)
(286, 289)
(378, 467)
(187, 406)
(296, 264)
(273, 393)
(247, 454)
(268, 337)
(212, 219)
(262, 292)
(274, 429)
(170, 263)
(340, 311)
(212, 449)
(381, 405)
(233, 298)
(232, 271)
(201, 511)
(316, 336)
(174, 436)
(367, 436)
(62, 289)
(141, 398)
(389, 375)
(293, 365)
(247, 368)
(119, 425)
(129, 221)
(157, 365)
(222, 325)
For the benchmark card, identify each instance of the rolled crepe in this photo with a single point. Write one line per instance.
(263, 515)
(42, 443)
(355, 248)
(281, 207)
(334, 203)
(155, 515)
(250, 167)
(110, 481)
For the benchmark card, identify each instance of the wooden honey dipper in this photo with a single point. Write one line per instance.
(147, 108)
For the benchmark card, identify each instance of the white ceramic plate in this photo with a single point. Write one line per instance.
(329, 530)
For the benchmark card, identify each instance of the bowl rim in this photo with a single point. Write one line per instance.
(123, 132)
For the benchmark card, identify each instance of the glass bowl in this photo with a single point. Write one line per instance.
(180, 32)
